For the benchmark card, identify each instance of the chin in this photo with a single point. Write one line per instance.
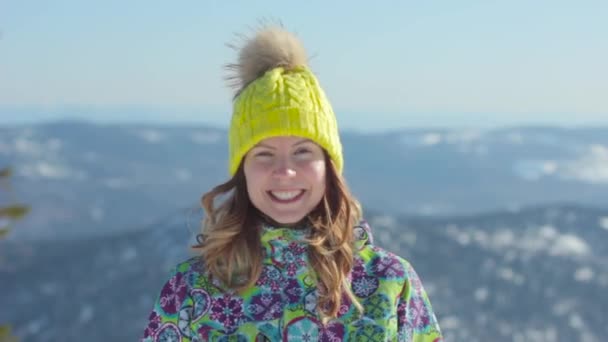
(287, 220)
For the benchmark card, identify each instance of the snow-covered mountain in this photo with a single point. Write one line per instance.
(539, 274)
(85, 179)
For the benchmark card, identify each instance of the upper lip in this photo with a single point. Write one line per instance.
(285, 190)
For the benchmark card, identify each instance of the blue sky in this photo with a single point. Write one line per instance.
(387, 65)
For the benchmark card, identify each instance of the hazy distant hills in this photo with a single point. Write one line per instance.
(84, 179)
(540, 274)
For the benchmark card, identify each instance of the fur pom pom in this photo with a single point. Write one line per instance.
(271, 47)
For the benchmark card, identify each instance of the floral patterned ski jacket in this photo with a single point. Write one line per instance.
(281, 307)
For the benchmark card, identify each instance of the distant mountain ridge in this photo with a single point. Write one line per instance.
(84, 179)
(539, 274)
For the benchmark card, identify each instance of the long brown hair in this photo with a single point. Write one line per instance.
(231, 249)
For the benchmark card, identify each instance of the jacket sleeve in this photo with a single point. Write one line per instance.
(416, 320)
(170, 316)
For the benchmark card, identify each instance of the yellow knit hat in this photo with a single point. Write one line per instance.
(278, 95)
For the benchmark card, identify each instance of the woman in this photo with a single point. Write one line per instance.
(286, 256)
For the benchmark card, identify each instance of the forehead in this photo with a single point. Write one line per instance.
(283, 141)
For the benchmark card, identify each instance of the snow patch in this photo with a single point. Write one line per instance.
(576, 321)
(28, 147)
(544, 239)
(592, 167)
(463, 137)
(422, 139)
(481, 294)
(508, 274)
(583, 274)
(431, 139)
(563, 306)
(150, 135)
(533, 170)
(569, 245)
(547, 232)
(43, 169)
(450, 322)
(463, 239)
(503, 238)
(128, 254)
(385, 221)
(34, 327)
(86, 313)
(549, 167)
(603, 222)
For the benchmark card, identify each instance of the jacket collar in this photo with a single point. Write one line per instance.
(362, 233)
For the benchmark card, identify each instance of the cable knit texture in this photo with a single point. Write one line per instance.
(283, 103)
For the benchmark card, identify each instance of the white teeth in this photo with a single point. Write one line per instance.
(285, 195)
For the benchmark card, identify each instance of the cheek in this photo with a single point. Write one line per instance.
(252, 178)
(317, 172)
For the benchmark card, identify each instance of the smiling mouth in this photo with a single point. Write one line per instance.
(286, 196)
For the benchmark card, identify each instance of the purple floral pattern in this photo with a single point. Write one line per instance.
(266, 306)
(154, 322)
(358, 268)
(386, 267)
(333, 332)
(365, 286)
(227, 310)
(272, 278)
(292, 258)
(294, 291)
(417, 313)
(172, 294)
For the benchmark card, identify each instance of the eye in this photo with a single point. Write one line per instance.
(263, 154)
(303, 150)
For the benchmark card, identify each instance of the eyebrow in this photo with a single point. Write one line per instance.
(272, 148)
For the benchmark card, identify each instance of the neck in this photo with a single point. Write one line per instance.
(265, 219)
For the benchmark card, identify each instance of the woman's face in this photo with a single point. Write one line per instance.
(285, 177)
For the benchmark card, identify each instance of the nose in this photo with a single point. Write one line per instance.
(283, 168)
